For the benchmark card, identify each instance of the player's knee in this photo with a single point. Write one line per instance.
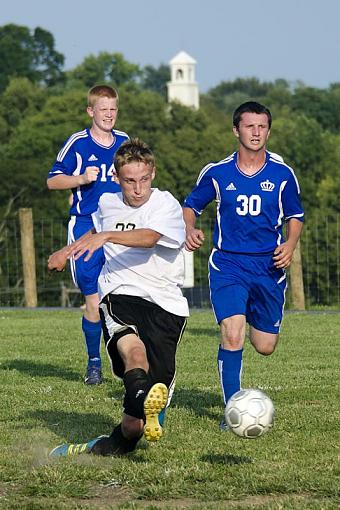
(232, 343)
(265, 350)
(92, 313)
(232, 336)
(137, 357)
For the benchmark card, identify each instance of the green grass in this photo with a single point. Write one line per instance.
(44, 402)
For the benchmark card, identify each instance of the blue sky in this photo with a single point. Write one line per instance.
(298, 40)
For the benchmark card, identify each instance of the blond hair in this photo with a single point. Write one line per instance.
(134, 150)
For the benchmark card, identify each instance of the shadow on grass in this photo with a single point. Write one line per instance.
(73, 427)
(205, 332)
(199, 401)
(35, 369)
(230, 460)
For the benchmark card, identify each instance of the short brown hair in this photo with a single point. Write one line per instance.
(134, 150)
(251, 107)
(100, 91)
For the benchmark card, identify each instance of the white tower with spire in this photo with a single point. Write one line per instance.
(183, 87)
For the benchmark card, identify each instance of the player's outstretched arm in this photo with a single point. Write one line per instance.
(138, 238)
(194, 236)
(63, 181)
(284, 253)
(58, 259)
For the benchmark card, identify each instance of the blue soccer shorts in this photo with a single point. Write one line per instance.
(84, 274)
(250, 285)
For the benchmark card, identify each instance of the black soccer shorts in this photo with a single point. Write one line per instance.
(159, 330)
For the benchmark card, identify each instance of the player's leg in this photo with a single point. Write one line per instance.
(162, 333)
(263, 342)
(92, 330)
(140, 399)
(128, 360)
(229, 295)
(265, 306)
(230, 354)
(120, 442)
(85, 277)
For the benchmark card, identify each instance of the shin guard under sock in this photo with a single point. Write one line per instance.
(229, 368)
(136, 382)
(92, 333)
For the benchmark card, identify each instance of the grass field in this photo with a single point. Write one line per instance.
(44, 402)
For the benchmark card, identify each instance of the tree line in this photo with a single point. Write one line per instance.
(41, 104)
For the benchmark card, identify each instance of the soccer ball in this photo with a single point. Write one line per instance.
(249, 413)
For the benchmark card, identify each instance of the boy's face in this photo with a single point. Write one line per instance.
(104, 113)
(135, 181)
(253, 131)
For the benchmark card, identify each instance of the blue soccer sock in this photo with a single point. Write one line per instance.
(92, 333)
(229, 368)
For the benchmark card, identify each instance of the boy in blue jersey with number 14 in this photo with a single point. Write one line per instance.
(85, 166)
(255, 193)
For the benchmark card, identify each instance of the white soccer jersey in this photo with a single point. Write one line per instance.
(155, 274)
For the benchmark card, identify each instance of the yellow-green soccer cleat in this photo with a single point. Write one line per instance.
(67, 449)
(154, 403)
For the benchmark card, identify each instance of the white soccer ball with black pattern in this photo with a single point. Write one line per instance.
(249, 413)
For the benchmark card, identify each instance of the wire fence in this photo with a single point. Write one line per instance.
(320, 248)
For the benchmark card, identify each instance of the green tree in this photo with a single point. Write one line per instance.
(21, 98)
(306, 147)
(29, 54)
(320, 104)
(156, 79)
(104, 68)
(30, 153)
(228, 95)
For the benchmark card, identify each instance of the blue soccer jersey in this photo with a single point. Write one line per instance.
(251, 210)
(79, 152)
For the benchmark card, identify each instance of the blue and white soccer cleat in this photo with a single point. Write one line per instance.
(224, 427)
(154, 404)
(93, 375)
(67, 449)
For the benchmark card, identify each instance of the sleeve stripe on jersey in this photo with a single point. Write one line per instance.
(70, 142)
(275, 157)
(122, 133)
(198, 213)
(218, 215)
(289, 168)
(301, 215)
(55, 172)
(203, 172)
(281, 215)
(209, 165)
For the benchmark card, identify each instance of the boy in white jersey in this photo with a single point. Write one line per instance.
(85, 165)
(255, 193)
(142, 307)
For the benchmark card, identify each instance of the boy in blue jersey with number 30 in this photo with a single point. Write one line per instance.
(85, 165)
(255, 192)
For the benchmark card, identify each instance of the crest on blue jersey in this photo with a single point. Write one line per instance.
(267, 185)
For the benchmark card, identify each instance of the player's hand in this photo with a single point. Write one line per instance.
(194, 239)
(283, 255)
(89, 245)
(90, 174)
(57, 261)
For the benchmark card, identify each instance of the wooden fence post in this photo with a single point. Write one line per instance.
(28, 256)
(296, 280)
